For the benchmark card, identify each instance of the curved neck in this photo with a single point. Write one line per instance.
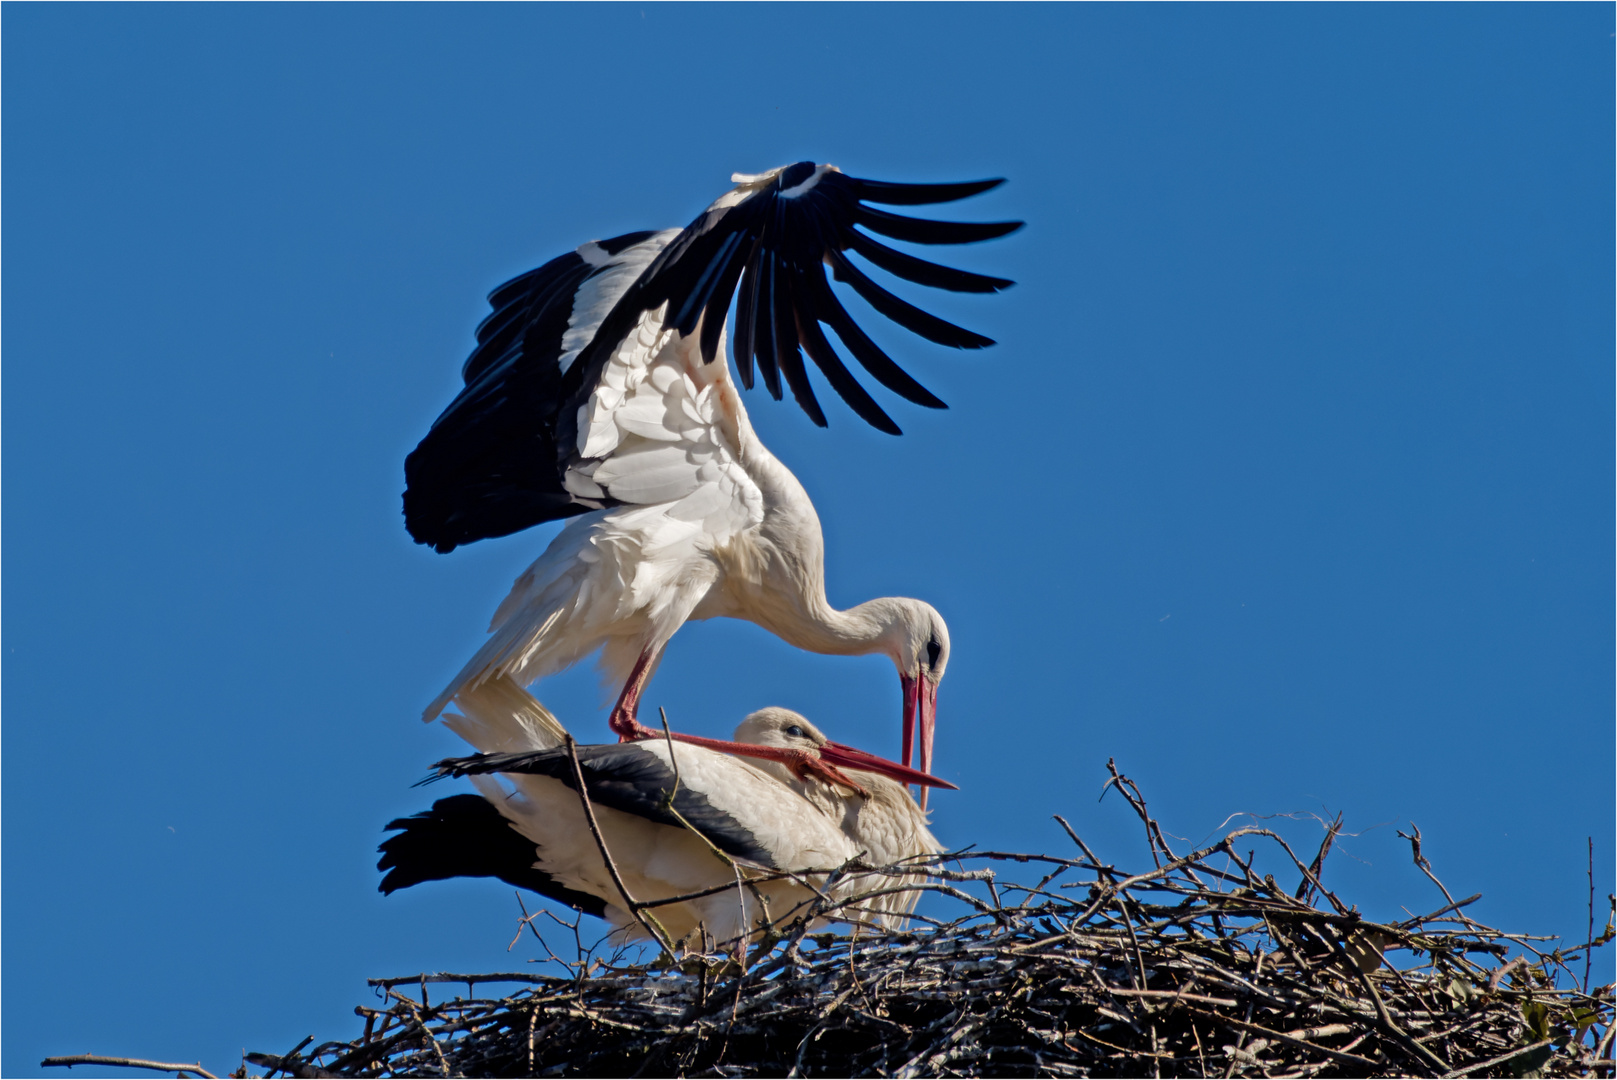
(792, 604)
(862, 629)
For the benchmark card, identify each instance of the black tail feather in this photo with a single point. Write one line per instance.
(464, 836)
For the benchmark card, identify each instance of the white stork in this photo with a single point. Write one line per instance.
(598, 388)
(530, 830)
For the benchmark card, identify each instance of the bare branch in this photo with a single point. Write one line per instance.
(127, 1063)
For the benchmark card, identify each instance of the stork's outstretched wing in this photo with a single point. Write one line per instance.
(495, 461)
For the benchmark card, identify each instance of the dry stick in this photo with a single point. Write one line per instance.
(1384, 1017)
(527, 921)
(1308, 875)
(1605, 1042)
(668, 804)
(1319, 860)
(1500, 972)
(1589, 942)
(1439, 913)
(126, 1063)
(421, 1023)
(1095, 864)
(1479, 1066)
(533, 1018)
(448, 977)
(647, 922)
(1426, 867)
(291, 1065)
(1151, 831)
(1246, 1026)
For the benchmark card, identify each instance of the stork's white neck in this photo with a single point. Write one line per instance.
(870, 627)
(775, 577)
(779, 582)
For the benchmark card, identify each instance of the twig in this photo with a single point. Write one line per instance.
(1319, 860)
(1420, 860)
(1589, 941)
(126, 1063)
(291, 1065)
(647, 921)
(446, 977)
(1500, 1060)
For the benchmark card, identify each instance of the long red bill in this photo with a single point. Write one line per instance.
(911, 688)
(849, 758)
(927, 719)
(835, 754)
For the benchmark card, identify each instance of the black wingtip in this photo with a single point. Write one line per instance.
(904, 313)
(922, 272)
(879, 191)
(927, 231)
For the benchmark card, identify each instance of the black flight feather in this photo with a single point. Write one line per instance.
(765, 346)
(920, 271)
(878, 191)
(837, 374)
(718, 303)
(903, 312)
(924, 231)
(486, 466)
(787, 354)
(831, 312)
(747, 315)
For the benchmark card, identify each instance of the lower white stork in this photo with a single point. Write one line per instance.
(760, 813)
(599, 388)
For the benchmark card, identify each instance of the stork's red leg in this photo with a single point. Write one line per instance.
(623, 720)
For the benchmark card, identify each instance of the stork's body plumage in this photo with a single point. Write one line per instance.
(599, 391)
(528, 826)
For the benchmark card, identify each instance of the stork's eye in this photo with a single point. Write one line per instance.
(934, 649)
(796, 732)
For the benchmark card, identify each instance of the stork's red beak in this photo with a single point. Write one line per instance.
(920, 703)
(836, 755)
(912, 689)
(847, 757)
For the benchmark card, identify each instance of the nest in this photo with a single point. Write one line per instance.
(1196, 966)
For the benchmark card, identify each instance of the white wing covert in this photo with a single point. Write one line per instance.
(655, 432)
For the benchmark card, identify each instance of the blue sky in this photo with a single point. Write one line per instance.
(1289, 484)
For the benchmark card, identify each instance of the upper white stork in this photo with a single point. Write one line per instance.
(530, 830)
(598, 388)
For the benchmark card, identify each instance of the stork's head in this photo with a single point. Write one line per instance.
(775, 726)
